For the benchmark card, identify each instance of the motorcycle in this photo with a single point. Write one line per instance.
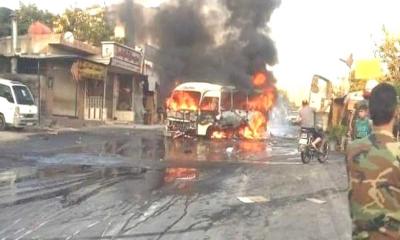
(307, 151)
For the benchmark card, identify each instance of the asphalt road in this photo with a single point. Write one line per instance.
(121, 183)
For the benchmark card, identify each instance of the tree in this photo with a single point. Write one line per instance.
(92, 28)
(389, 52)
(27, 14)
(5, 22)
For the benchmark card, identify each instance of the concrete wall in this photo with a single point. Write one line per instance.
(29, 44)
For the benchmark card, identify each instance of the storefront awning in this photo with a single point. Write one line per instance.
(82, 69)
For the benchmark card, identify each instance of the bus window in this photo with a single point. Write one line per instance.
(226, 101)
(209, 104)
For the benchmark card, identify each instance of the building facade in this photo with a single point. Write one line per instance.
(124, 82)
(74, 79)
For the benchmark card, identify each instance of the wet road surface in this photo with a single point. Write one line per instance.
(127, 184)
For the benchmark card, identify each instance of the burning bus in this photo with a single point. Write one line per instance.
(203, 109)
(217, 111)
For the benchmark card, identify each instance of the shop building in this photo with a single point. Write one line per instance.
(59, 70)
(124, 82)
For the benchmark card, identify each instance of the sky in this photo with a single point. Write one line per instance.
(310, 35)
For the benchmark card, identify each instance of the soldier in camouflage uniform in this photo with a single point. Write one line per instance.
(373, 165)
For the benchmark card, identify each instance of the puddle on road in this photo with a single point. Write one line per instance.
(142, 151)
(130, 168)
(226, 150)
(141, 164)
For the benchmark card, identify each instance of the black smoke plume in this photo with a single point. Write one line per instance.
(132, 15)
(223, 44)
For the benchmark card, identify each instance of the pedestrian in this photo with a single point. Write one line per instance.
(373, 165)
(362, 125)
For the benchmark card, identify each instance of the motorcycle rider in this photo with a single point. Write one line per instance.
(306, 120)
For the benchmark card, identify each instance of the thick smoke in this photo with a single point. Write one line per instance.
(126, 15)
(225, 43)
(131, 14)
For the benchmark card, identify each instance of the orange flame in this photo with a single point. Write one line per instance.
(256, 127)
(219, 135)
(182, 101)
(211, 105)
(259, 79)
(261, 104)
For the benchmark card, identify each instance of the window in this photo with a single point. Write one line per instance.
(184, 100)
(209, 104)
(226, 101)
(23, 95)
(5, 92)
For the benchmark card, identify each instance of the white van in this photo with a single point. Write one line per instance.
(17, 106)
(216, 108)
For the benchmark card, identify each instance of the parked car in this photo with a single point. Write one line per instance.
(17, 106)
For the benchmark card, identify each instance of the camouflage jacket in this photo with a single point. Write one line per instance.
(373, 165)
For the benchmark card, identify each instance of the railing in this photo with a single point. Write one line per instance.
(95, 108)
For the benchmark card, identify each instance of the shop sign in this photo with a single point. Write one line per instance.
(122, 56)
(128, 55)
(87, 70)
(116, 62)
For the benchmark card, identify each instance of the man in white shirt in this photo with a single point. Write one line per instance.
(306, 120)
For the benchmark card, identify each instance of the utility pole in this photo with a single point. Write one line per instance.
(14, 37)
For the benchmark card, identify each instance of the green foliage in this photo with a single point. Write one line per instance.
(337, 132)
(389, 52)
(92, 28)
(5, 22)
(29, 13)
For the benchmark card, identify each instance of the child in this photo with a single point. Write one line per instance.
(362, 126)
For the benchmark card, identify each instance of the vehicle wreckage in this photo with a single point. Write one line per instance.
(212, 111)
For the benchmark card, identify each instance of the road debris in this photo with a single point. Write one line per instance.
(253, 199)
(230, 151)
(315, 200)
